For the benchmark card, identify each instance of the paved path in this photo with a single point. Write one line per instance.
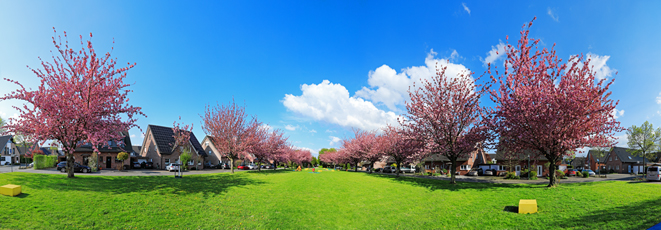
(496, 179)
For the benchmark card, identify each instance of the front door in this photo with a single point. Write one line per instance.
(540, 170)
(629, 169)
(108, 162)
(518, 170)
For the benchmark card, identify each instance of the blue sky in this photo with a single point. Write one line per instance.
(318, 68)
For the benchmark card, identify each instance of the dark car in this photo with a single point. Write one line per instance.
(378, 169)
(390, 169)
(208, 165)
(136, 165)
(148, 165)
(62, 166)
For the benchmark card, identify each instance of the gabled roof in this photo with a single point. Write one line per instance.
(601, 159)
(501, 156)
(113, 148)
(164, 136)
(137, 148)
(578, 161)
(5, 139)
(625, 156)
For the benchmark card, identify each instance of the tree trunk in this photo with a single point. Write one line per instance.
(70, 165)
(397, 170)
(553, 180)
(259, 166)
(232, 164)
(356, 167)
(453, 170)
(275, 165)
(371, 167)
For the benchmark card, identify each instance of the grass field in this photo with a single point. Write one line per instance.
(326, 200)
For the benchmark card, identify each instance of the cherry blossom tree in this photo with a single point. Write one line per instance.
(300, 156)
(550, 107)
(281, 155)
(270, 145)
(445, 113)
(352, 151)
(82, 98)
(182, 140)
(399, 144)
(365, 144)
(231, 130)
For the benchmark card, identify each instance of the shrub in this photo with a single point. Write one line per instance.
(611, 171)
(559, 174)
(579, 174)
(445, 171)
(43, 161)
(586, 174)
(511, 175)
(533, 175)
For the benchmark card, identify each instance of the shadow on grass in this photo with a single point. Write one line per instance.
(513, 209)
(434, 184)
(640, 215)
(267, 172)
(192, 184)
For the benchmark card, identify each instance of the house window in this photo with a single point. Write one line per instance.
(167, 161)
(464, 167)
(2, 158)
(609, 167)
(502, 168)
(209, 152)
(610, 159)
(615, 157)
(190, 162)
(426, 166)
(617, 167)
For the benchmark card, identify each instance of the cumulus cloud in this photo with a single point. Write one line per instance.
(466, 8)
(497, 52)
(391, 88)
(313, 131)
(332, 103)
(553, 15)
(132, 135)
(290, 127)
(315, 153)
(334, 140)
(617, 113)
(598, 63)
(266, 127)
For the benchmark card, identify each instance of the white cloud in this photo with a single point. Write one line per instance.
(617, 113)
(315, 153)
(658, 99)
(598, 64)
(553, 16)
(290, 127)
(332, 131)
(621, 141)
(497, 52)
(132, 135)
(313, 131)
(266, 126)
(466, 8)
(334, 140)
(391, 88)
(332, 103)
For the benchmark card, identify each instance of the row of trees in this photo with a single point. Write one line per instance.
(542, 105)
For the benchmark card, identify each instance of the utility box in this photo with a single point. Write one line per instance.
(527, 206)
(10, 190)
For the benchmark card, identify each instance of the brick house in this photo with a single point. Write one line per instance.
(519, 161)
(107, 154)
(157, 147)
(579, 163)
(620, 160)
(213, 155)
(594, 162)
(9, 153)
(464, 164)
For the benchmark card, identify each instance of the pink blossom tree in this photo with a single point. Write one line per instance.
(352, 152)
(445, 113)
(232, 132)
(182, 140)
(270, 145)
(549, 107)
(82, 98)
(399, 144)
(281, 155)
(366, 145)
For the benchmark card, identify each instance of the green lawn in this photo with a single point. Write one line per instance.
(327, 200)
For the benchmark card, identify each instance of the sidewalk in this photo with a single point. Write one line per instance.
(500, 180)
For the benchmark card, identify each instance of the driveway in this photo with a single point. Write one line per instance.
(496, 179)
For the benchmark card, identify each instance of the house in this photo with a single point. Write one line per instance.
(516, 162)
(620, 160)
(213, 155)
(9, 153)
(579, 163)
(464, 164)
(107, 154)
(158, 147)
(594, 162)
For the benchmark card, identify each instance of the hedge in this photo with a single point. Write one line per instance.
(43, 161)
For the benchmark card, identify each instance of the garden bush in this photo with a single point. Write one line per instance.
(44, 161)
(579, 174)
(511, 175)
(533, 175)
(559, 174)
(445, 171)
(586, 174)
(611, 171)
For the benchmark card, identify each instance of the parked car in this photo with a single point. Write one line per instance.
(172, 167)
(473, 172)
(243, 167)
(390, 169)
(136, 165)
(378, 169)
(208, 165)
(489, 172)
(149, 165)
(224, 165)
(336, 167)
(407, 170)
(252, 166)
(76, 167)
(654, 173)
(588, 171)
(571, 172)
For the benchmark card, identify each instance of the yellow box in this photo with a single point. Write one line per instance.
(10, 190)
(527, 206)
